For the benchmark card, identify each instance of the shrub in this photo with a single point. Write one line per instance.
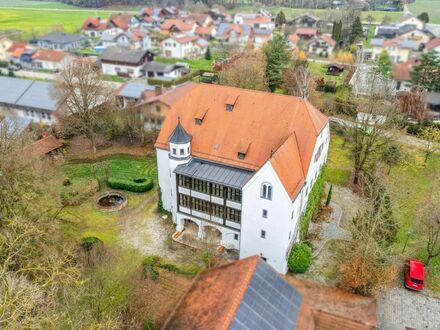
(135, 185)
(87, 243)
(149, 267)
(300, 258)
(312, 204)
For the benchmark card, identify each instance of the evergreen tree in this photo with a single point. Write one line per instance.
(424, 17)
(280, 19)
(277, 59)
(384, 65)
(329, 196)
(356, 31)
(427, 73)
(337, 31)
(208, 54)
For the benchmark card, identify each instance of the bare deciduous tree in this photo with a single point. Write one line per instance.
(87, 98)
(298, 81)
(248, 71)
(412, 103)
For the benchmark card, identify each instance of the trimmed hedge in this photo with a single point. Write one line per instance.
(312, 204)
(300, 258)
(136, 185)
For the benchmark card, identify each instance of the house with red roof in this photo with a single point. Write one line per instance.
(238, 166)
(120, 21)
(321, 45)
(53, 60)
(402, 74)
(234, 34)
(175, 25)
(257, 21)
(94, 26)
(306, 33)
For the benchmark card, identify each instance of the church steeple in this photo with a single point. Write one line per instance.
(179, 135)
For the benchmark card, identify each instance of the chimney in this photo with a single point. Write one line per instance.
(157, 90)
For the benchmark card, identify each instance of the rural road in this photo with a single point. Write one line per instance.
(399, 309)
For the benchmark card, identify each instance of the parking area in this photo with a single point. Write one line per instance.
(400, 309)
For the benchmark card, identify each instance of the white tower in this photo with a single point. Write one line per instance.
(179, 154)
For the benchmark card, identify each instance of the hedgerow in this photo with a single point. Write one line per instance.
(135, 185)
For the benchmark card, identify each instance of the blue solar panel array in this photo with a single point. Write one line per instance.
(269, 302)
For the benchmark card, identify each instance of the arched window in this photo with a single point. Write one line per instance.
(266, 190)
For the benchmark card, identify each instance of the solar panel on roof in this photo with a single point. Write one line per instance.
(268, 303)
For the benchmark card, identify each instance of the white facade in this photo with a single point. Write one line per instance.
(278, 216)
(52, 65)
(172, 48)
(37, 116)
(120, 69)
(412, 21)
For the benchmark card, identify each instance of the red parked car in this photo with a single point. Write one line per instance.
(414, 274)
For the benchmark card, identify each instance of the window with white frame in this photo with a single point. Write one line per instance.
(266, 191)
(264, 214)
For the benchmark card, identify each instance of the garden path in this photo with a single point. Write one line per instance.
(330, 230)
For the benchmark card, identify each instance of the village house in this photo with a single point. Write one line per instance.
(132, 93)
(293, 40)
(119, 22)
(35, 100)
(205, 32)
(256, 21)
(61, 41)
(260, 37)
(53, 60)
(419, 37)
(399, 50)
(178, 26)
(124, 62)
(234, 34)
(155, 105)
(306, 20)
(134, 39)
(202, 20)
(183, 46)
(240, 164)
(95, 27)
(254, 296)
(306, 33)
(411, 20)
(165, 71)
(5, 44)
(321, 45)
(402, 74)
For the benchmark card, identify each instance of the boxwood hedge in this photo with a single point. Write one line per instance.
(135, 185)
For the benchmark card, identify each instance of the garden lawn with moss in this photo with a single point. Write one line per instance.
(85, 220)
(339, 164)
(319, 70)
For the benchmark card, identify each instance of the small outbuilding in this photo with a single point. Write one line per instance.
(334, 69)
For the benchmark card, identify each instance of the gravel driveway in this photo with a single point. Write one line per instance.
(400, 309)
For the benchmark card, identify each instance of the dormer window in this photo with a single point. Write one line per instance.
(200, 115)
(230, 102)
(241, 155)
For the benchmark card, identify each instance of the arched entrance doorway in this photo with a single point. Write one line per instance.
(191, 227)
(212, 235)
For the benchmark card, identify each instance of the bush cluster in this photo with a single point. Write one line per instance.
(300, 258)
(178, 81)
(136, 185)
(312, 204)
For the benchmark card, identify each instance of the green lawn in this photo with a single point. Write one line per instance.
(408, 184)
(319, 70)
(195, 64)
(432, 7)
(85, 220)
(34, 4)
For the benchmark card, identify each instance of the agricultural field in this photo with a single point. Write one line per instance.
(432, 7)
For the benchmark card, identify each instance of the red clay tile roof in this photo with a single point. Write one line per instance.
(169, 96)
(233, 27)
(213, 300)
(402, 71)
(204, 30)
(433, 43)
(259, 19)
(328, 39)
(214, 297)
(184, 38)
(94, 23)
(178, 23)
(305, 31)
(285, 127)
(293, 38)
(42, 147)
(49, 55)
(121, 21)
(16, 49)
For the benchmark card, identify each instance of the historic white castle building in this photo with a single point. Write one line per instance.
(242, 163)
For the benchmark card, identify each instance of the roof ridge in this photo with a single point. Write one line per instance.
(24, 92)
(241, 292)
